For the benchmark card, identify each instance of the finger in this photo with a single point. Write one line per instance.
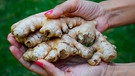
(102, 24)
(63, 9)
(49, 68)
(15, 51)
(31, 66)
(40, 14)
(12, 41)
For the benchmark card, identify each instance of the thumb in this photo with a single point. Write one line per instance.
(49, 68)
(65, 8)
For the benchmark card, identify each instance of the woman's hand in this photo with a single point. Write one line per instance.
(69, 70)
(108, 14)
(82, 8)
(73, 66)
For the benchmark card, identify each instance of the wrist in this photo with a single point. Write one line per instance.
(120, 70)
(119, 12)
(110, 12)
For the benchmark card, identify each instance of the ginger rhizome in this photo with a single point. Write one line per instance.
(53, 39)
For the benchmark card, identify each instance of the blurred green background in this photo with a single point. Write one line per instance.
(12, 11)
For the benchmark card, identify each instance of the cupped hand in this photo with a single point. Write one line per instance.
(86, 9)
(73, 66)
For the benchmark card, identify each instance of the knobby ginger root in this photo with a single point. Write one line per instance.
(35, 38)
(58, 48)
(24, 27)
(51, 28)
(67, 45)
(51, 39)
(55, 27)
(104, 50)
(85, 33)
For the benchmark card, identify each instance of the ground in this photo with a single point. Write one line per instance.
(12, 11)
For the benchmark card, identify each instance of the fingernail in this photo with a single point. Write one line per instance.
(39, 63)
(48, 12)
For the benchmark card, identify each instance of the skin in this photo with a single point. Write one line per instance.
(107, 15)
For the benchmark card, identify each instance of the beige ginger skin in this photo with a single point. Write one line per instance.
(53, 39)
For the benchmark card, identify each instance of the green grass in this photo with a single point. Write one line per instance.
(12, 11)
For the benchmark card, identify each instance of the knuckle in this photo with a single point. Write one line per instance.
(75, 3)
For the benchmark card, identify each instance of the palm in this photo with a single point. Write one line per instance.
(86, 70)
(78, 66)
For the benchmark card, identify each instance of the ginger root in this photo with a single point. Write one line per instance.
(24, 27)
(51, 39)
(58, 48)
(104, 50)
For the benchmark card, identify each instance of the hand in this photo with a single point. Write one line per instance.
(82, 8)
(73, 66)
